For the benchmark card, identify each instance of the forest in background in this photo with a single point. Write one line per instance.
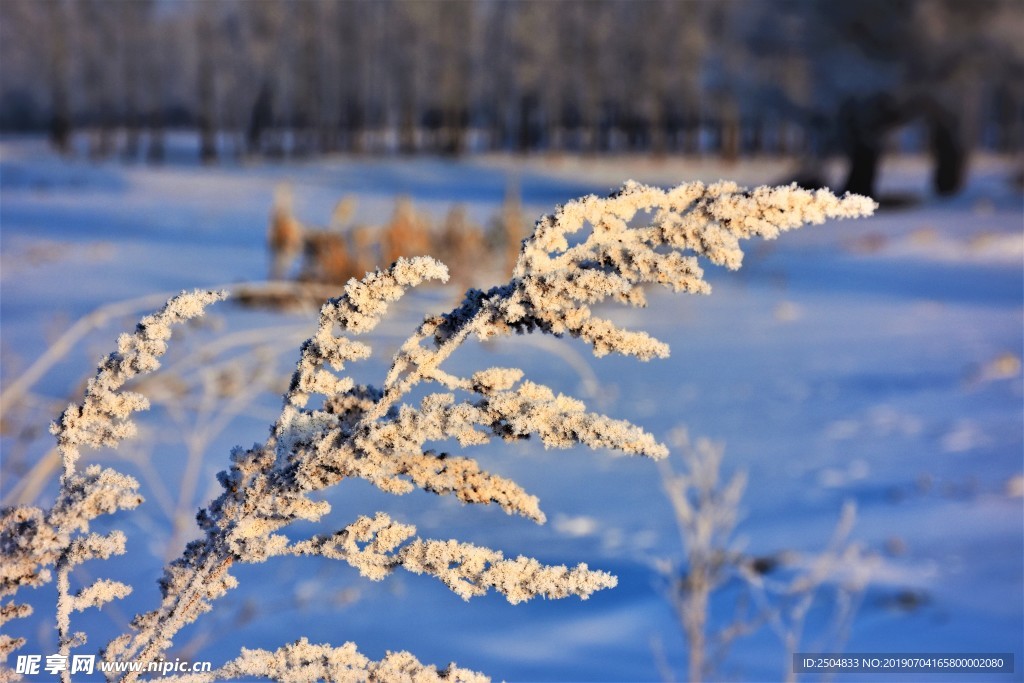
(291, 79)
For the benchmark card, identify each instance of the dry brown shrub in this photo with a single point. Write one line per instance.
(462, 244)
(407, 234)
(326, 258)
(285, 233)
(508, 229)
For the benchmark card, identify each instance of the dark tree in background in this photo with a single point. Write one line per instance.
(206, 95)
(941, 63)
(801, 78)
(58, 64)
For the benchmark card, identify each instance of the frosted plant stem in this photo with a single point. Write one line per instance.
(149, 645)
(100, 316)
(64, 590)
(397, 386)
(64, 615)
(361, 431)
(28, 489)
(67, 341)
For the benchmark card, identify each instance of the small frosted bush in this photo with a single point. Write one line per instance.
(331, 429)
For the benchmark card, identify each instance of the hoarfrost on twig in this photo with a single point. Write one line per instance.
(374, 433)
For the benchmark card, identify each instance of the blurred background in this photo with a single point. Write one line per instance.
(870, 366)
(276, 78)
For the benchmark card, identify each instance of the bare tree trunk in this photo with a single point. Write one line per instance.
(729, 121)
(755, 143)
(260, 118)
(352, 57)
(99, 55)
(156, 151)
(207, 126)
(865, 123)
(591, 93)
(691, 131)
(308, 123)
(206, 114)
(456, 39)
(864, 155)
(133, 19)
(1009, 120)
(528, 128)
(949, 151)
(407, 126)
(60, 121)
(408, 34)
(498, 84)
(658, 128)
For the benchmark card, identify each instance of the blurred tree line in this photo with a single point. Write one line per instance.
(301, 77)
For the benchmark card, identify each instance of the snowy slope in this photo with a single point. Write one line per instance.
(876, 361)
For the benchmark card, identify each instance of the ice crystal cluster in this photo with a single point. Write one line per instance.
(331, 429)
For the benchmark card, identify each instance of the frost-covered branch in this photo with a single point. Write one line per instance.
(468, 570)
(331, 429)
(302, 661)
(33, 540)
(101, 419)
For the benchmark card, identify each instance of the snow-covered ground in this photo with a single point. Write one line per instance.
(876, 361)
